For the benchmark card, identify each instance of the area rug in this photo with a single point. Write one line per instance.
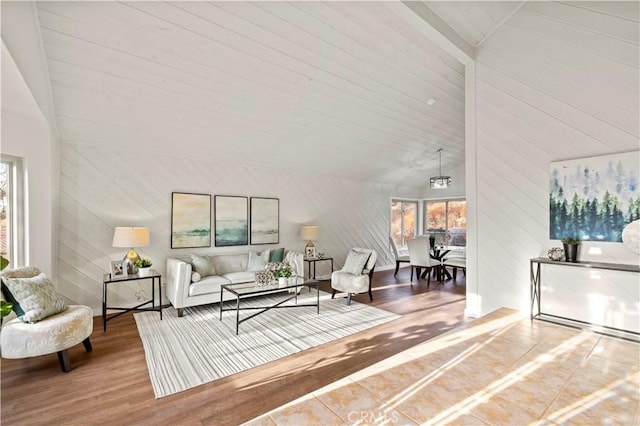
(198, 348)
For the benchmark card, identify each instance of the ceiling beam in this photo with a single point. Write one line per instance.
(418, 14)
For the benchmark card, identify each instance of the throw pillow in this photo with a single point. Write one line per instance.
(195, 277)
(277, 255)
(15, 306)
(257, 261)
(203, 265)
(356, 261)
(37, 297)
(23, 272)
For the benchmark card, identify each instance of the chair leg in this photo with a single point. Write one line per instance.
(428, 277)
(180, 312)
(411, 274)
(455, 273)
(348, 299)
(397, 266)
(63, 359)
(87, 345)
(333, 293)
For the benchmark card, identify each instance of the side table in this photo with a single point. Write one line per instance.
(313, 261)
(153, 276)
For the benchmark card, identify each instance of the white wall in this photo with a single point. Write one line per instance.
(103, 188)
(27, 129)
(556, 81)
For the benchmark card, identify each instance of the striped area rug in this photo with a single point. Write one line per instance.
(198, 348)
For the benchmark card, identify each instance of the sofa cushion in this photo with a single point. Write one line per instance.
(240, 277)
(356, 261)
(257, 261)
(37, 297)
(226, 263)
(203, 265)
(276, 255)
(206, 285)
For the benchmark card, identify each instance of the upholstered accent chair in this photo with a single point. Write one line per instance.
(420, 257)
(356, 275)
(400, 256)
(54, 333)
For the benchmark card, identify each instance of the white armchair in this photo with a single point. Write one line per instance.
(356, 274)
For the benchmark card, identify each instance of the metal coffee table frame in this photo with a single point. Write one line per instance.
(246, 290)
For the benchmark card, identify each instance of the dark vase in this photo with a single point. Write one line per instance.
(571, 252)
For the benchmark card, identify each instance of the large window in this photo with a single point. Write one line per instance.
(404, 221)
(11, 210)
(447, 218)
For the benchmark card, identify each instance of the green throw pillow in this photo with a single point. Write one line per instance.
(277, 255)
(37, 297)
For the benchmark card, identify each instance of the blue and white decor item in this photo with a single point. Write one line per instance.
(265, 222)
(231, 221)
(190, 220)
(594, 198)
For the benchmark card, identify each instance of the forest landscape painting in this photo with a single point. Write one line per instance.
(594, 198)
(231, 221)
(190, 220)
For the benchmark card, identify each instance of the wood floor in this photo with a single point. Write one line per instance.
(111, 384)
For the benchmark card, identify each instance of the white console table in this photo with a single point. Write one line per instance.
(536, 312)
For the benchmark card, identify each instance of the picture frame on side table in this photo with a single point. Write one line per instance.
(310, 252)
(265, 220)
(231, 220)
(190, 220)
(117, 269)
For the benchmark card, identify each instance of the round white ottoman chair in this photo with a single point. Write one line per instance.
(56, 333)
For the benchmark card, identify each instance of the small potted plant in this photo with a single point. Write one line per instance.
(571, 245)
(144, 266)
(283, 271)
(5, 307)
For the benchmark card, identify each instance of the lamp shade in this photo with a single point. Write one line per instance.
(125, 236)
(309, 232)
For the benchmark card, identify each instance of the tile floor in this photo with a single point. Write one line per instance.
(498, 370)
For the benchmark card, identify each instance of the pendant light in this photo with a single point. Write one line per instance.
(440, 182)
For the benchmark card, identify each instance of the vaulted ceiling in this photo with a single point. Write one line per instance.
(337, 88)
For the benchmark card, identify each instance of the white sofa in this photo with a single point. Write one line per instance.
(229, 268)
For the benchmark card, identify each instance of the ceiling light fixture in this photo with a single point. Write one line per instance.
(440, 182)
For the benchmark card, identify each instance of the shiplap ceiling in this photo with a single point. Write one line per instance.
(335, 88)
(474, 20)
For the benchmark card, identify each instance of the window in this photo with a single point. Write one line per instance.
(404, 221)
(447, 217)
(11, 210)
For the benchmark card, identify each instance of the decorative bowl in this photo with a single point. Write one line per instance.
(556, 254)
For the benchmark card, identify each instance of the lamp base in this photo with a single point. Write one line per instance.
(310, 250)
(129, 262)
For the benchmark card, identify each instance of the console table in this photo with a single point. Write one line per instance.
(153, 276)
(536, 280)
(313, 261)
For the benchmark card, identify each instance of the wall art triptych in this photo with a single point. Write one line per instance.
(236, 222)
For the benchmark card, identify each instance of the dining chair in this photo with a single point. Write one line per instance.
(456, 259)
(400, 256)
(420, 257)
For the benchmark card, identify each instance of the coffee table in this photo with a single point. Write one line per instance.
(243, 291)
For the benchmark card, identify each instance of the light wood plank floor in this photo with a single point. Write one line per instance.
(111, 384)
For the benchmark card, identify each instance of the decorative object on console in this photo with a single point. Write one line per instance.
(144, 266)
(631, 236)
(190, 220)
(594, 198)
(556, 254)
(440, 181)
(117, 269)
(231, 221)
(571, 246)
(265, 222)
(264, 277)
(129, 236)
(309, 233)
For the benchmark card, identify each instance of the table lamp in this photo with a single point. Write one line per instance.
(309, 233)
(127, 236)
